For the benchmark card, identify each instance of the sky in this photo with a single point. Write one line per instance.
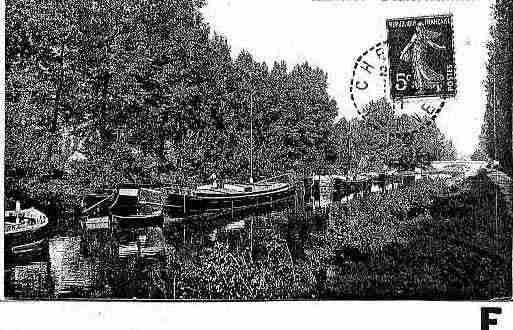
(331, 34)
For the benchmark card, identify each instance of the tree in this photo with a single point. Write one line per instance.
(497, 129)
(384, 140)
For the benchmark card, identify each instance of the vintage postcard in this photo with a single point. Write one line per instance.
(231, 150)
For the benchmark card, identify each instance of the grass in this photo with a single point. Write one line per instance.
(459, 254)
(386, 246)
(410, 243)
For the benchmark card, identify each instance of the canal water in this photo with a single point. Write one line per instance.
(132, 263)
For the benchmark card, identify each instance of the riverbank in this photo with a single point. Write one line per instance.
(425, 240)
(386, 246)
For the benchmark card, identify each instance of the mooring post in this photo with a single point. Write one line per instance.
(251, 240)
(295, 204)
(184, 208)
(332, 201)
(174, 286)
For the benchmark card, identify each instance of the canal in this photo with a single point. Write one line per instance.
(218, 258)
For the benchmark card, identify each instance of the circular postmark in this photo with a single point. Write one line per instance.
(370, 82)
(413, 70)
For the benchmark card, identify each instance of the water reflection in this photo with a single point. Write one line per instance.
(106, 263)
(134, 263)
(72, 272)
(28, 280)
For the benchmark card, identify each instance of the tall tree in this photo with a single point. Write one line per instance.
(497, 129)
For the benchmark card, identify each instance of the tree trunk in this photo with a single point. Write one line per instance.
(55, 115)
(103, 110)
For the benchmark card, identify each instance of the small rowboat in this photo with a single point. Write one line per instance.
(129, 206)
(137, 207)
(25, 231)
(95, 210)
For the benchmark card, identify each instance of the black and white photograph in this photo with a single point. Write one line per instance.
(236, 150)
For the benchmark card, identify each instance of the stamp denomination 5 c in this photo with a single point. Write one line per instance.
(421, 56)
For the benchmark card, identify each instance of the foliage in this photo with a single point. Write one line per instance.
(222, 274)
(497, 130)
(383, 141)
(137, 95)
(122, 81)
(403, 250)
(373, 222)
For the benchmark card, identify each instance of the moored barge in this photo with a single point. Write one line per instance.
(236, 198)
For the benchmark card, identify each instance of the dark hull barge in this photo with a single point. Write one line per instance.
(230, 198)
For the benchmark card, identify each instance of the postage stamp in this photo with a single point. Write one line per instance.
(421, 56)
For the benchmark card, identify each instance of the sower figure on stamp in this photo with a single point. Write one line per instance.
(417, 52)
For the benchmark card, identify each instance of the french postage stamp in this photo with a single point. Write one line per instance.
(421, 55)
